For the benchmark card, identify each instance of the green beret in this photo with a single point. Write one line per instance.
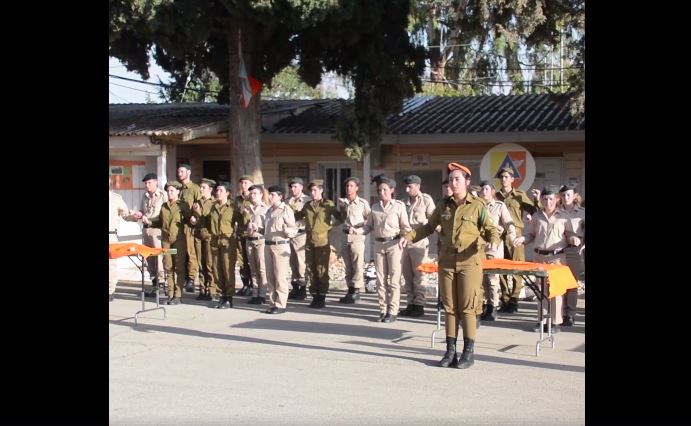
(174, 184)
(209, 182)
(475, 188)
(352, 179)
(296, 180)
(549, 190)
(258, 186)
(508, 170)
(185, 165)
(388, 181)
(316, 182)
(245, 177)
(223, 183)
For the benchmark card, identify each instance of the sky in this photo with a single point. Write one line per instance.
(133, 92)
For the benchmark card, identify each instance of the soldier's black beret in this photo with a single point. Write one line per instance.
(412, 179)
(568, 186)
(149, 176)
(388, 181)
(549, 189)
(258, 186)
(487, 183)
(275, 188)
(352, 179)
(185, 165)
(225, 184)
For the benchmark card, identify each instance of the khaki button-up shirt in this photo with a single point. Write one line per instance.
(387, 220)
(354, 215)
(576, 218)
(151, 204)
(297, 204)
(279, 223)
(548, 233)
(117, 209)
(256, 215)
(419, 209)
(502, 220)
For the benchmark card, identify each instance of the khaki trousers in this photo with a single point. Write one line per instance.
(297, 257)
(224, 254)
(491, 287)
(255, 253)
(112, 267)
(174, 265)
(277, 266)
(576, 264)
(412, 258)
(151, 237)
(461, 292)
(555, 302)
(387, 261)
(354, 260)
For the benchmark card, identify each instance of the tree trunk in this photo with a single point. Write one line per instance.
(245, 123)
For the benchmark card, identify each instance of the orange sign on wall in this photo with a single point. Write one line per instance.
(125, 174)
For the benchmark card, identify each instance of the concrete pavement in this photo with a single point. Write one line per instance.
(241, 366)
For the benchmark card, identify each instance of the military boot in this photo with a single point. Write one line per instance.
(301, 293)
(350, 297)
(450, 355)
(465, 359)
(490, 314)
(189, 285)
(294, 290)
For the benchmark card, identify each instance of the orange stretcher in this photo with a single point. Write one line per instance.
(140, 251)
(545, 279)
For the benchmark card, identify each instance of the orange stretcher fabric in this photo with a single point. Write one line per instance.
(116, 250)
(559, 277)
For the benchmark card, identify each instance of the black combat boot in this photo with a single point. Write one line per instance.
(450, 355)
(301, 292)
(418, 311)
(465, 359)
(407, 311)
(318, 301)
(189, 285)
(294, 290)
(350, 297)
(490, 314)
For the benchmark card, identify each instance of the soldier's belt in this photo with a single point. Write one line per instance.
(385, 239)
(301, 231)
(549, 252)
(255, 238)
(113, 232)
(346, 229)
(273, 243)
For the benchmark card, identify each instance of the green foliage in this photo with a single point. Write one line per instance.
(363, 40)
(288, 85)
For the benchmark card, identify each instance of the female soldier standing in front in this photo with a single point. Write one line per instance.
(465, 225)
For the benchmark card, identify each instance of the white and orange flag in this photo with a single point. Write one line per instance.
(250, 85)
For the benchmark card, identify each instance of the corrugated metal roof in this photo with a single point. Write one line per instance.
(423, 114)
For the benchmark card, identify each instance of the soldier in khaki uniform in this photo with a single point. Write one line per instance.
(548, 230)
(387, 221)
(502, 219)
(208, 290)
(419, 207)
(149, 209)
(174, 214)
(116, 209)
(574, 254)
(255, 218)
(320, 216)
(242, 201)
(279, 227)
(354, 211)
(517, 202)
(189, 193)
(463, 218)
(296, 201)
(224, 219)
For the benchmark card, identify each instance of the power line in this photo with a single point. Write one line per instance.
(169, 86)
(119, 97)
(132, 88)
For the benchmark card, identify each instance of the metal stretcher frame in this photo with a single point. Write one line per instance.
(536, 280)
(141, 266)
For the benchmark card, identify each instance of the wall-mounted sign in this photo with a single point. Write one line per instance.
(420, 160)
(512, 156)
